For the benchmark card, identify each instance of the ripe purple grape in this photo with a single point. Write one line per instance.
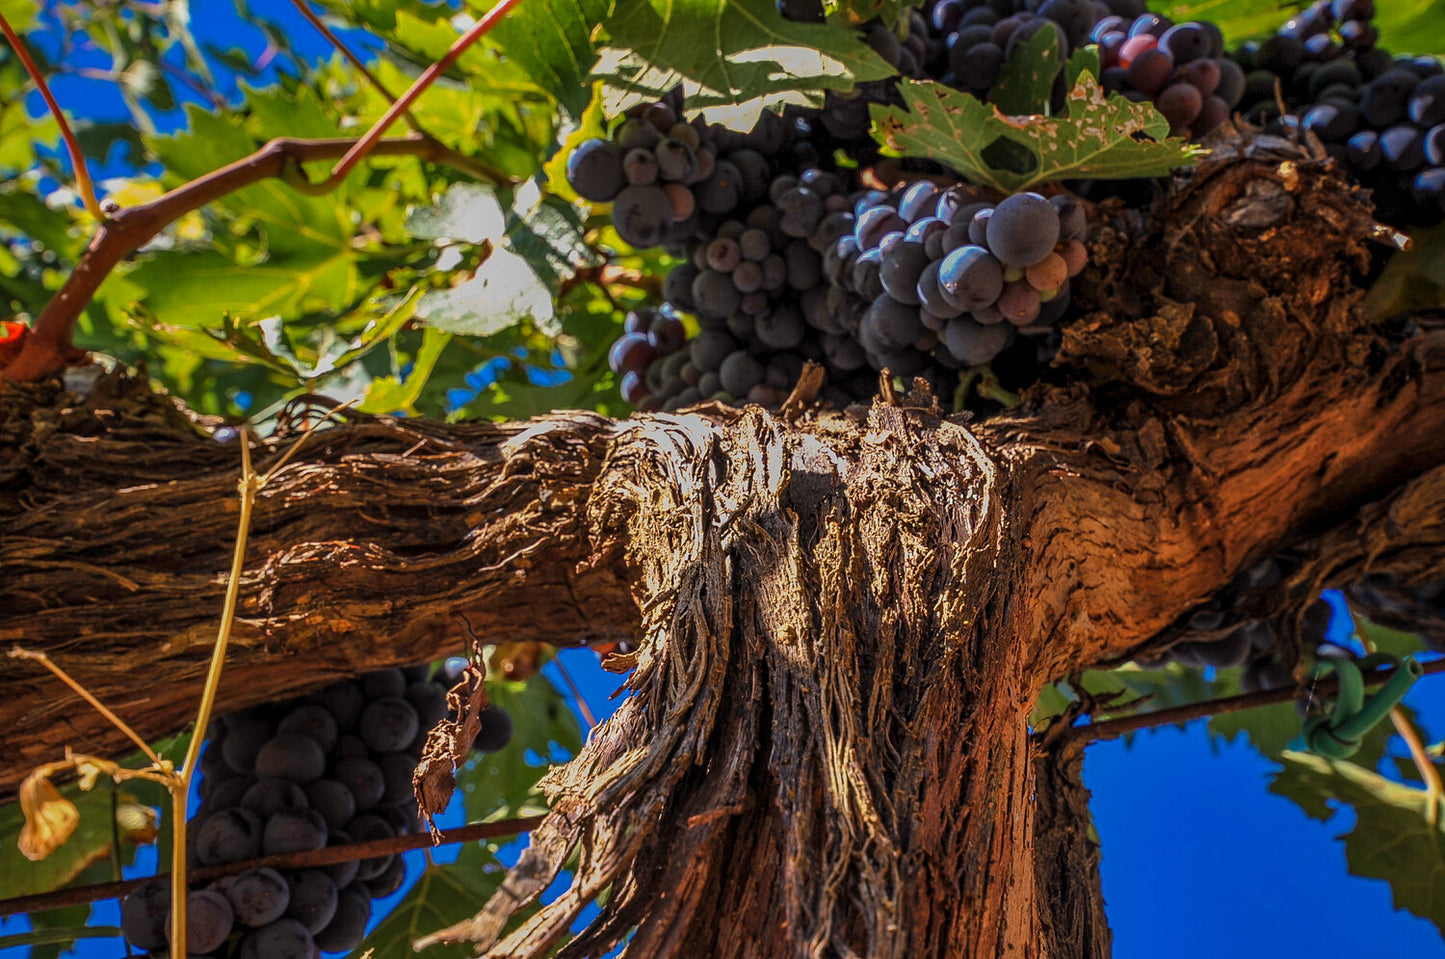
(594, 170)
(970, 277)
(1022, 230)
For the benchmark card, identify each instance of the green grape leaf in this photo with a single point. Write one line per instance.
(197, 289)
(391, 394)
(536, 245)
(1404, 25)
(503, 784)
(1393, 838)
(1096, 136)
(1027, 78)
(1385, 640)
(734, 58)
(552, 41)
(20, 14)
(890, 12)
(444, 894)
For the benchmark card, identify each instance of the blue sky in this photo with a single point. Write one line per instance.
(1199, 859)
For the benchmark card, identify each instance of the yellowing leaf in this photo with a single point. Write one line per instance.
(50, 818)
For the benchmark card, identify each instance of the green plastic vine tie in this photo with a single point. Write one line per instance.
(1339, 735)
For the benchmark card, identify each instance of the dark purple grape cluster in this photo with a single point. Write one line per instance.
(938, 277)
(1382, 117)
(1395, 603)
(323, 770)
(1180, 68)
(1237, 627)
(671, 182)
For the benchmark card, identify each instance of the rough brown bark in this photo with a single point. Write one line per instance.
(844, 619)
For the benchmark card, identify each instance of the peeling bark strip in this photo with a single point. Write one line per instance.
(844, 620)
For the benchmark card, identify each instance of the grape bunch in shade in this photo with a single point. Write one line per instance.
(1237, 627)
(1382, 117)
(322, 770)
(1408, 607)
(1181, 68)
(981, 36)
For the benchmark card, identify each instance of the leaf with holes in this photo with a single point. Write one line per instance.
(1097, 137)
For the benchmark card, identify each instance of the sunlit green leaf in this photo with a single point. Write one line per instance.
(728, 54)
(1393, 839)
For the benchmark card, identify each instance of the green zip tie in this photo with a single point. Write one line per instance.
(1338, 736)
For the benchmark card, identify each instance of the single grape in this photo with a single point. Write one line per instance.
(144, 915)
(1048, 274)
(714, 294)
(1427, 102)
(209, 921)
(390, 880)
(390, 724)
(244, 741)
(594, 170)
(314, 720)
(1019, 303)
(972, 343)
(641, 215)
(297, 831)
(1185, 42)
(720, 193)
(1402, 148)
(780, 329)
(802, 210)
(344, 700)
(396, 770)
(724, 255)
(313, 898)
(970, 277)
(429, 699)
(348, 925)
(901, 269)
(635, 133)
(866, 277)
(229, 835)
(364, 778)
(1022, 230)
(1149, 71)
(676, 160)
(258, 897)
(283, 939)
(890, 324)
(293, 756)
(496, 730)
(918, 201)
(364, 828)
(1180, 103)
(875, 223)
(270, 796)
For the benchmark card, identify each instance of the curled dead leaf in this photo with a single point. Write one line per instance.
(50, 818)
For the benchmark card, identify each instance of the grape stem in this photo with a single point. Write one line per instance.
(48, 346)
(1106, 729)
(83, 183)
(305, 10)
(248, 487)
